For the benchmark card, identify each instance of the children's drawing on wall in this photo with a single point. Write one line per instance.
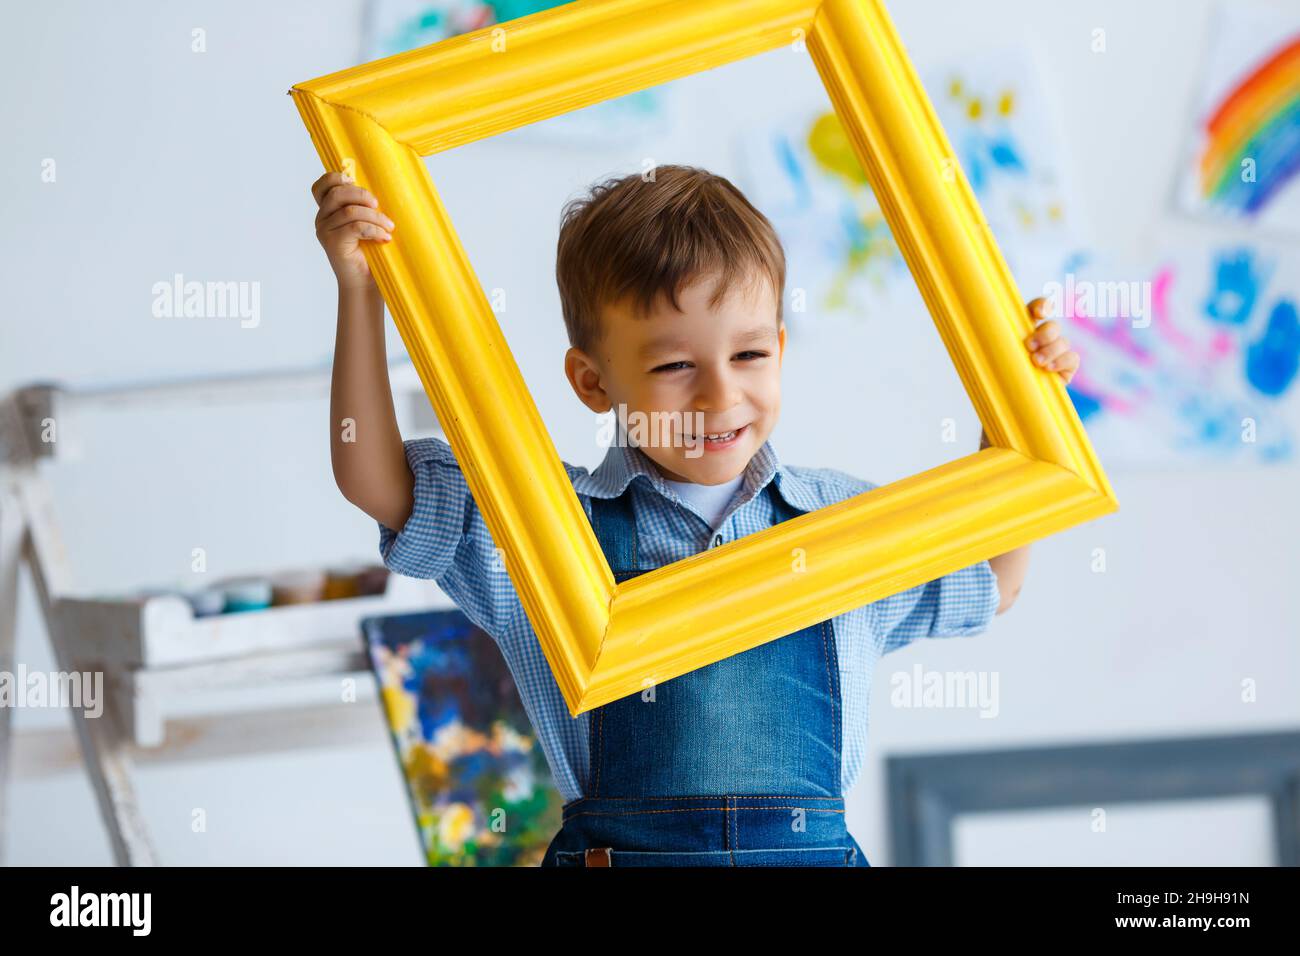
(806, 178)
(997, 116)
(1191, 361)
(840, 255)
(395, 26)
(804, 175)
(1244, 161)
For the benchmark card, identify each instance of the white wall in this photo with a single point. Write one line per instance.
(170, 161)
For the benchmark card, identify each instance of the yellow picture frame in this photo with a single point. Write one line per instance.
(606, 640)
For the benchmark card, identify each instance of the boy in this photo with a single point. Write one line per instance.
(672, 292)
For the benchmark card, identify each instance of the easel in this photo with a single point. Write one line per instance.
(153, 650)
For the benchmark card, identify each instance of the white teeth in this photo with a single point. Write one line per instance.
(720, 436)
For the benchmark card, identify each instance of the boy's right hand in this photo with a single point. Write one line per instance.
(348, 214)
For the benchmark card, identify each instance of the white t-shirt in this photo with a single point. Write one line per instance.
(710, 501)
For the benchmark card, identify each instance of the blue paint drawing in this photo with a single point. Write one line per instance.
(1003, 153)
(1272, 360)
(1236, 284)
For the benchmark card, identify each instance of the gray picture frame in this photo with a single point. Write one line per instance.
(925, 792)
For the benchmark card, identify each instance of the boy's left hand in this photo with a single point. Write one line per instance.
(1049, 349)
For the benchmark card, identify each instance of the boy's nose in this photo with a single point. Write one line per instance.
(717, 391)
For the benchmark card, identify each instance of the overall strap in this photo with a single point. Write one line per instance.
(614, 521)
(784, 510)
(765, 722)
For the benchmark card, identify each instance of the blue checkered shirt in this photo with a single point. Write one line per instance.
(446, 539)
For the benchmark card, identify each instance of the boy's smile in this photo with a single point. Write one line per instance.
(701, 371)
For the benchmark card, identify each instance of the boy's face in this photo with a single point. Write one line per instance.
(704, 371)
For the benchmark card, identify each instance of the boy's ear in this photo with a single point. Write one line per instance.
(780, 334)
(584, 376)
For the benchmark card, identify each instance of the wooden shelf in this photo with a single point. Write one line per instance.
(162, 631)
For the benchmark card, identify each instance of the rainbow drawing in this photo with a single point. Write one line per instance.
(1251, 146)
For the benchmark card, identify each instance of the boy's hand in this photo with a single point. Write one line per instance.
(347, 215)
(1050, 350)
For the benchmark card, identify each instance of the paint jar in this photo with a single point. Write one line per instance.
(341, 581)
(304, 586)
(372, 580)
(246, 594)
(207, 601)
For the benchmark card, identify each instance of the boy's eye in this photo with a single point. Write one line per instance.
(673, 366)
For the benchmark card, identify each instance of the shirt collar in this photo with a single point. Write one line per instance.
(623, 463)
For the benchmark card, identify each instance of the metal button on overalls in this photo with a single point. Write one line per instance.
(732, 764)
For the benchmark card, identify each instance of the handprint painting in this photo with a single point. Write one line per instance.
(1192, 357)
(477, 777)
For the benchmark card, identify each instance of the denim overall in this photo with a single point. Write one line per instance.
(733, 764)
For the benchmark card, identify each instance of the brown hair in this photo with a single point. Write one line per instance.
(636, 238)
